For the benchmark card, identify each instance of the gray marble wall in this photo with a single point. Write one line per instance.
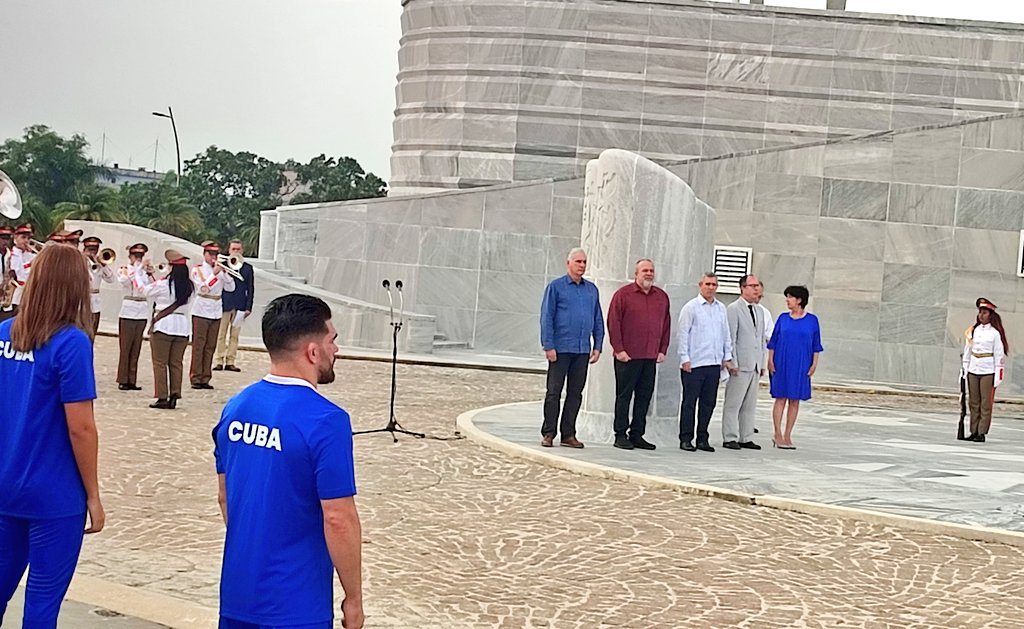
(895, 234)
(493, 91)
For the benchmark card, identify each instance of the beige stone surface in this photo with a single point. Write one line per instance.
(457, 535)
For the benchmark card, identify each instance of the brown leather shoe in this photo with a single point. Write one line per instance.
(547, 441)
(572, 442)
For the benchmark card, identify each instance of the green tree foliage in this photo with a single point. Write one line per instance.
(229, 190)
(92, 203)
(341, 179)
(162, 206)
(47, 166)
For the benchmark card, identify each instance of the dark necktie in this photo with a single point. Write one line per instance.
(753, 317)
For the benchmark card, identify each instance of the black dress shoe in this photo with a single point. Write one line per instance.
(731, 445)
(622, 442)
(978, 439)
(686, 445)
(161, 403)
(642, 444)
(219, 368)
(749, 445)
(705, 447)
(173, 403)
(231, 368)
(123, 387)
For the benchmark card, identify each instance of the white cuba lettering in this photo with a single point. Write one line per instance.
(7, 351)
(255, 435)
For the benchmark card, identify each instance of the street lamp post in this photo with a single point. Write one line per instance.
(177, 148)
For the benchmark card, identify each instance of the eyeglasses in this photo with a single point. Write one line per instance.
(754, 285)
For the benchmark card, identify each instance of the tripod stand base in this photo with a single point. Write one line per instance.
(393, 427)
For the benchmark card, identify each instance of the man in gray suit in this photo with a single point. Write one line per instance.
(750, 358)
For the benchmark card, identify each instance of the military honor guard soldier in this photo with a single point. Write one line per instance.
(131, 322)
(20, 263)
(98, 273)
(210, 280)
(169, 334)
(6, 235)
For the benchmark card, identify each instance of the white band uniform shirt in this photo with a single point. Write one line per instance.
(984, 353)
(704, 337)
(21, 264)
(177, 322)
(96, 277)
(209, 288)
(133, 280)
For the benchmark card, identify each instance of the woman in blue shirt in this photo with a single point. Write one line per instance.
(792, 360)
(48, 435)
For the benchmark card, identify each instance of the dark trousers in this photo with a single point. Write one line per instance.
(700, 387)
(129, 339)
(634, 381)
(168, 356)
(204, 344)
(571, 367)
(95, 325)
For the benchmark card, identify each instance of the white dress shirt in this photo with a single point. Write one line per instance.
(704, 337)
(134, 304)
(102, 274)
(209, 288)
(21, 264)
(984, 352)
(176, 323)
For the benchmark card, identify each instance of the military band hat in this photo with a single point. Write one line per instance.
(211, 246)
(23, 229)
(74, 236)
(91, 241)
(984, 303)
(175, 257)
(57, 236)
(138, 248)
(6, 231)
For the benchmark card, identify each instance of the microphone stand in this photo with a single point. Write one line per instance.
(396, 327)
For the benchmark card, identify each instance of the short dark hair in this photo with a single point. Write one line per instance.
(743, 280)
(800, 292)
(291, 318)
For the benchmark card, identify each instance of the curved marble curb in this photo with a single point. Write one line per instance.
(142, 604)
(466, 424)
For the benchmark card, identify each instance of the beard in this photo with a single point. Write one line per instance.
(326, 375)
(646, 284)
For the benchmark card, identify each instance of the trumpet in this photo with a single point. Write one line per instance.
(162, 269)
(104, 258)
(232, 265)
(35, 245)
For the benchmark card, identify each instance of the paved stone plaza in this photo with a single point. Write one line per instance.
(458, 535)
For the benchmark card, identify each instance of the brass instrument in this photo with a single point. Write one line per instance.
(35, 245)
(10, 199)
(9, 286)
(162, 269)
(232, 265)
(105, 257)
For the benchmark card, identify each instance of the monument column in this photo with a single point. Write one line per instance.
(632, 209)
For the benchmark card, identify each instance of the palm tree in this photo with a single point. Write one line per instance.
(92, 203)
(175, 216)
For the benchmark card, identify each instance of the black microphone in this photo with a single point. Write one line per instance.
(398, 284)
(386, 284)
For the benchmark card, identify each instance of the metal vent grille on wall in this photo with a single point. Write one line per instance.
(1020, 255)
(731, 264)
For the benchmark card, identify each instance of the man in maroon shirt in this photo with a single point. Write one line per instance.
(639, 326)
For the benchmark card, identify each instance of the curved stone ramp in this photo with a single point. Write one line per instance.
(514, 430)
(359, 323)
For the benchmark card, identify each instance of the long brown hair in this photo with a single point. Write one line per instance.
(996, 322)
(56, 295)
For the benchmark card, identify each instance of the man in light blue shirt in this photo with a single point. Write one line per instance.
(705, 347)
(570, 316)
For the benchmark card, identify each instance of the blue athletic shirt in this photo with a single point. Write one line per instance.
(38, 474)
(283, 448)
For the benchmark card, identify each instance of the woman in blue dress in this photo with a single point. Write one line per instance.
(792, 360)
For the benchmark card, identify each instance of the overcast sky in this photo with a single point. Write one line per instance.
(282, 78)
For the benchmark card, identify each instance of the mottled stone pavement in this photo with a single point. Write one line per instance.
(458, 535)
